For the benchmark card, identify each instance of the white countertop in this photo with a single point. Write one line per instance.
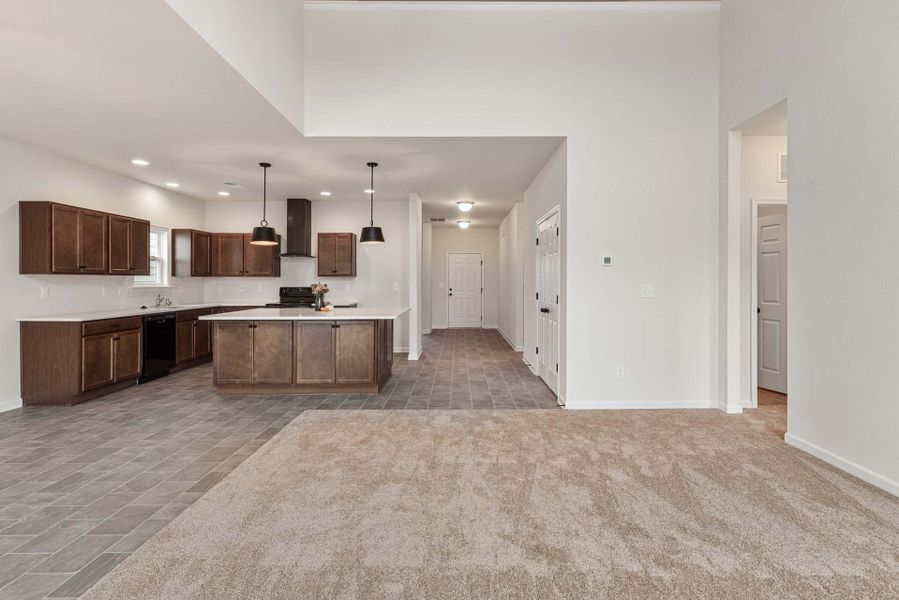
(126, 312)
(308, 314)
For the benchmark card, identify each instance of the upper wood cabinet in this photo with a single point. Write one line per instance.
(336, 254)
(61, 239)
(234, 256)
(191, 253)
(129, 246)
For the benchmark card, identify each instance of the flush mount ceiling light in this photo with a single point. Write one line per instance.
(463, 224)
(264, 235)
(324, 193)
(224, 193)
(465, 205)
(372, 234)
(139, 162)
(369, 190)
(172, 184)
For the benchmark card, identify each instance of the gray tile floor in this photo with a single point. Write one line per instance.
(82, 487)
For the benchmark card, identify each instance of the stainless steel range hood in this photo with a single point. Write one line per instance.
(299, 228)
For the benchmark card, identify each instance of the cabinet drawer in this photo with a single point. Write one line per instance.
(191, 315)
(110, 325)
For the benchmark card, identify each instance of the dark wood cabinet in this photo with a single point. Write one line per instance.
(273, 352)
(227, 254)
(336, 254)
(261, 261)
(191, 253)
(97, 361)
(129, 246)
(127, 355)
(62, 239)
(314, 351)
(354, 352)
(233, 352)
(192, 337)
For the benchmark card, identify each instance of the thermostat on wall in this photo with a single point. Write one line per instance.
(607, 261)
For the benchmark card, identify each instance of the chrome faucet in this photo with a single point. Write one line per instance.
(162, 301)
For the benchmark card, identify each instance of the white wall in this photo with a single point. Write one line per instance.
(509, 317)
(548, 190)
(634, 87)
(379, 268)
(835, 64)
(426, 266)
(758, 182)
(263, 41)
(32, 174)
(474, 239)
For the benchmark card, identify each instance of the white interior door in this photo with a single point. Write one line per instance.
(465, 289)
(548, 265)
(772, 299)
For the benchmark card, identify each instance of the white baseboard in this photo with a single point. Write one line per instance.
(508, 341)
(10, 405)
(530, 366)
(863, 473)
(731, 409)
(636, 404)
(414, 356)
(402, 350)
(426, 332)
(489, 326)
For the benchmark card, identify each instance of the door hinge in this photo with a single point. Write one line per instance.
(537, 350)
(538, 241)
(557, 367)
(557, 231)
(557, 298)
(482, 290)
(538, 295)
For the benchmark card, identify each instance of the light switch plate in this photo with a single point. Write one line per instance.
(619, 373)
(45, 292)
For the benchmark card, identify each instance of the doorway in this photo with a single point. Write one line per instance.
(465, 279)
(547, 300)
(771, 296)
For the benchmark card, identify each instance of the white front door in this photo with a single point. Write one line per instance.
(548, 261)
(772, 298)
(465, 289)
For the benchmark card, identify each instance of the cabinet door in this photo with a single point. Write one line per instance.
(273, 352)
(327, 255)
(127, 350)
(200, 254)
(227, 254)
(315, 351)
(233, 352)
(184, 341)
(202, 338)
(64, 239)
(93, 247)
(355, 352)
(139, 247)
(96, 361)
(344, 255)
(119, 245)
(259, 261)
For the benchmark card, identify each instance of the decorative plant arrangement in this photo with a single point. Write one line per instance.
(319, 290)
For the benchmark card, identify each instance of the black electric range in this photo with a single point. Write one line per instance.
(302, 297)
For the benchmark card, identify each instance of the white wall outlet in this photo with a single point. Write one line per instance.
(607, 261)
(619, 372)
(647, 290)
(396, 286)
(45, 292)
(243, 287)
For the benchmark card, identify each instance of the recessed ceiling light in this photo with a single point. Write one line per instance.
(324, 193)
(369, 191)
(464, 224)
(465, 205)
(173, 184)
(224, 193)
(139, 162)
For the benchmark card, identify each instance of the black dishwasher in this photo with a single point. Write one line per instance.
(159, 346)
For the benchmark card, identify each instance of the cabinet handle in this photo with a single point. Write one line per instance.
(115, 339)
(335, 326)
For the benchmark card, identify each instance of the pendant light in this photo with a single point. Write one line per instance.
(264, 235)
(372, 234)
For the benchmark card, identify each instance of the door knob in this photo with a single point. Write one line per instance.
(450, 293)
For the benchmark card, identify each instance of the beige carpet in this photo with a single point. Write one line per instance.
(529, 504)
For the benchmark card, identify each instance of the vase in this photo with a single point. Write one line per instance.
(319, 301)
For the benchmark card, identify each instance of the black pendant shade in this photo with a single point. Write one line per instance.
(263, 235)
(372, 234)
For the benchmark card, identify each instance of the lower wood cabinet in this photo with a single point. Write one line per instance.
(354, 352)
(253, 352)
(193, 338)
(110, 358)
(315, 351)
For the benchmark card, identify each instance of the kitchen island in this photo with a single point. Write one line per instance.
(301, 351)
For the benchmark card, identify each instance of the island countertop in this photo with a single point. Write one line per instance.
(309, 314)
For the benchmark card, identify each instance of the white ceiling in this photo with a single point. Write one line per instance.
(107, 81)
